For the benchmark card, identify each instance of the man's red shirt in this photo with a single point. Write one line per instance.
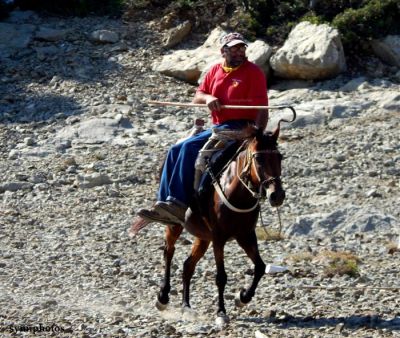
(245, 86)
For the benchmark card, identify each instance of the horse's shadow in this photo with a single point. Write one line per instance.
(310, 322)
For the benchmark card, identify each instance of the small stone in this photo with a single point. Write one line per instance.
(29, 141)
(339, 328)
(13, 154)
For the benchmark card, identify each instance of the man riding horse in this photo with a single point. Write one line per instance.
(234, 81)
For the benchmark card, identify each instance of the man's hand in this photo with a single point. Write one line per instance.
(213, 103)
(210, 100)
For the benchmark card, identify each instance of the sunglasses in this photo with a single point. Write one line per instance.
(234, 49)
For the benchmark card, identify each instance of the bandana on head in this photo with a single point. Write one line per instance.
(232, 39)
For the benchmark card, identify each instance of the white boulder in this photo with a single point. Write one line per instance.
(388, 49)
(311, 52)
(177, 34)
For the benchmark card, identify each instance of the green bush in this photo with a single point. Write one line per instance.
(270, 13)
(376, 19)
(315, 19)
(329, 9)
(73, 7)
(274, 19)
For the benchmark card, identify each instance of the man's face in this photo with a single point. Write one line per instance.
(235, 55)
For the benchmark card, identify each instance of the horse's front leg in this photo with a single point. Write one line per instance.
(199, 248)
(171, 236)
(221, 280)
(250, 246)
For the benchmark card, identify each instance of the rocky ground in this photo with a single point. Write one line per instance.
(80, 151)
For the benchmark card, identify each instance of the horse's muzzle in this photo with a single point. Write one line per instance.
(275, 193)
(276, 197)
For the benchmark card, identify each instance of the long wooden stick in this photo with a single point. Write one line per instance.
(202, 105)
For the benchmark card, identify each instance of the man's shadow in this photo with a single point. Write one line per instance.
(309, 322)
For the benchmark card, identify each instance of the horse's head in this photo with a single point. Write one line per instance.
(265, 169)
(264, 163)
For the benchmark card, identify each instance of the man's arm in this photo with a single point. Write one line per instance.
(210, 100)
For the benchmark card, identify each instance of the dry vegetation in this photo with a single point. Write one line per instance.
(264, 234)
(332, 263)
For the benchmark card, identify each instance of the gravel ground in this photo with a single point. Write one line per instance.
(67, 266)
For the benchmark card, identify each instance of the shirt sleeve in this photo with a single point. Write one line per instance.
(206, 85)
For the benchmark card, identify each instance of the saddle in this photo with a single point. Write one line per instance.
(222, 147)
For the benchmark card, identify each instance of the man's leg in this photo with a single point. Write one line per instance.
(181, 180)
(167, 171)
(176, 182)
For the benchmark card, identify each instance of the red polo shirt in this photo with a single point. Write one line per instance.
(245, 86)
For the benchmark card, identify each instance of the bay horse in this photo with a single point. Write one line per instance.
(231, 212)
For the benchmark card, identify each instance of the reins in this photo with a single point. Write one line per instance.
(256, 195)
(279, 219)
(221, 194)
(249, 157)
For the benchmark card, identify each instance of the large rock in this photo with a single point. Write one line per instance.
(104, 36)
(388, 49)
(311, 52)
(348, 219)
(176, 34)
(190, 65)
(15, 186)
(50, 34)
(260, 52)
(92, 131)
(187, 65)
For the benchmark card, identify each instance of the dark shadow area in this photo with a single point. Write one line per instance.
(24, 75)
(354, 322)
(47, 80)
(71, 7)
(24, 108)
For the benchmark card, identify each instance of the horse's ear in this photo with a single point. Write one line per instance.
(259, 133)
(250, 131)
(275, 133)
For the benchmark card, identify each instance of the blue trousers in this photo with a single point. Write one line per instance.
(178, 172)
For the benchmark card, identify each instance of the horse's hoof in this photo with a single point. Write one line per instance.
(160, 306)
(238, 301)
(221, 321)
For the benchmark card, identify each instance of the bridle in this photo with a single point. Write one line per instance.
(263, 184)
(246, 171)
(244, 175)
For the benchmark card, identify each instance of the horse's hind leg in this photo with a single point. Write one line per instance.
(221, 277)
(199, 248)
(171, 236)
(250, 246)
